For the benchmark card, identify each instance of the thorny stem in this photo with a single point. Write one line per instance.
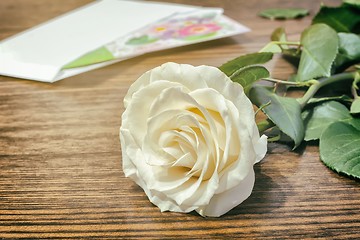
(315, 85)
(299, 84)
(321, 83)
(287, 43)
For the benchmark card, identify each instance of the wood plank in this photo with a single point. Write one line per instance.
(60, 156)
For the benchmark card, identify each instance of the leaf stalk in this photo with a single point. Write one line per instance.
(317, 84)
(287, 43)
(278, 81)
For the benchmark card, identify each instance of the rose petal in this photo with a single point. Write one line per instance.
(137, 112)
(260, 148)
(224, 202)
(179, 73)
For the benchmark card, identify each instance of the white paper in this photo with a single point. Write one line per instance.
(41, 52)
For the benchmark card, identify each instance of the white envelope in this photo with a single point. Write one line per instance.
(45, 52)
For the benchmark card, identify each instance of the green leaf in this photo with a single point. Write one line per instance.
(271, 47)
(355, 122)
(342, 19)
(355, 3)
(246, 60)
(349, 51)
(349, 44)
(247, 76)
(355, 106)
(320, 46)
(317, 119)
(279, 35)
(340, 148)
(283, 13)
(284, 112)
(279, 44)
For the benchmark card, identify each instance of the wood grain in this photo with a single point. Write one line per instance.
(60, 157)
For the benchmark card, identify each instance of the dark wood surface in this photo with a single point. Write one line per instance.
(60, 156)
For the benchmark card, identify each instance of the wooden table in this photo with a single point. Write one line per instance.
(60, 156)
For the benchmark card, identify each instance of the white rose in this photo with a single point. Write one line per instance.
(189, 139)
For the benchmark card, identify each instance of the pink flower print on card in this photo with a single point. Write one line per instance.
(199, 31)
(163, 31)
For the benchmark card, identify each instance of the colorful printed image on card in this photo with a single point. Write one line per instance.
(177, 30)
